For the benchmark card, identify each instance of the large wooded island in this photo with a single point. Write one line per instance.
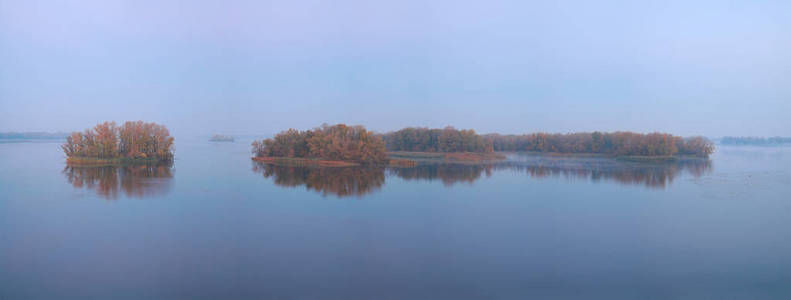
(342, 145)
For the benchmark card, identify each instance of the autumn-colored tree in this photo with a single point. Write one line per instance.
(106, 139)
(74, 145)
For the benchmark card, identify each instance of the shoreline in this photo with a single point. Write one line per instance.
(298, 161)
(632, 158)
(404, 159)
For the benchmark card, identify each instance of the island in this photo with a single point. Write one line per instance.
(342, 145)
(221, 138)
(109, 144)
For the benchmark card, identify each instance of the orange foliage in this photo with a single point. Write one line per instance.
(132, 140)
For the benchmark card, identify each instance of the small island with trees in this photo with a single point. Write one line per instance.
(109, 144)
(221, 138)
(342, 145)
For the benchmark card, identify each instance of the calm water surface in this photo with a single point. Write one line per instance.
(216, 225)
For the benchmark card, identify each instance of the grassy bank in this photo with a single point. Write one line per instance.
(296, 161)
(653, 159)
(631, 158)
(96, 162)
(404, 163)
(445, 157)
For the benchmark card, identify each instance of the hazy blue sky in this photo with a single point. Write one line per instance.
(256, 67)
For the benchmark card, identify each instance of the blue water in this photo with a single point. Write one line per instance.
(215, 225)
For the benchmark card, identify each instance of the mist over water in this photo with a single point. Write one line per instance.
(216, 224)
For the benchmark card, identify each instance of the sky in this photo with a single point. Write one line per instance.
(688, 67)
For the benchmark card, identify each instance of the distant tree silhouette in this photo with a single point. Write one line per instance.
(759, 141)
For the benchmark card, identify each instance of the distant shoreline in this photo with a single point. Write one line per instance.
(756, 141)
(13, 141)
(33, 135)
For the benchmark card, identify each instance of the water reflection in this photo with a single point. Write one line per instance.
(359, 181)
(134, 181)
(650, 175)
(338, 181)
(449, 174)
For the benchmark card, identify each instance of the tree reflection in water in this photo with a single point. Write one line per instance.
(338, 181)
(649, 174)
(358, 181)
(449, 174)
(137, 181)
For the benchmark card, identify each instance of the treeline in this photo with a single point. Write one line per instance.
(615, 143)
(338, 142)
(133, 140)
(448, 139)
(758, 141)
